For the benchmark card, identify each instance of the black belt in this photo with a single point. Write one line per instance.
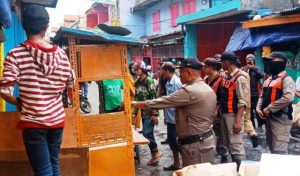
(195, 138)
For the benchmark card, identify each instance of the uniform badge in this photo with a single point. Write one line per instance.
(292, 85)
(244, 85)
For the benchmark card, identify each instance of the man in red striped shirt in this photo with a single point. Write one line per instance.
(41, 71)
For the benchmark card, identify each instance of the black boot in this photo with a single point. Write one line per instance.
(224, 159)
(237, 161)
(254, 141)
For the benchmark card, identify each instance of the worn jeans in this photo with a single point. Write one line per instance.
(172, 137)
(148, 127)
(42, 147)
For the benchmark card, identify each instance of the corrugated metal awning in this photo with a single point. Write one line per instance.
(93, 35)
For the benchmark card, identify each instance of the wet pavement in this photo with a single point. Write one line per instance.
(167, 159)
(253, 154)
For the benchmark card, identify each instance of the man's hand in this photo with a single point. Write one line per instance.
(266, 112)
(121, 108)
(216, 116)
(237, 126)
(260, 113)
(12, 100)
(139, 104)
(251, 67)
(154, 119)
(133, 119)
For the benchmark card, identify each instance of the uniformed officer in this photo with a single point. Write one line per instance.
(233, 102)
(195, 103)
(213, 79)
(248, 125)
(275, 103)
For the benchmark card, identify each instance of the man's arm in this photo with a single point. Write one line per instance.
(179, 98)
(10, 76)
(259, 73)
(242, 91)
(9, 98)
(288, 93)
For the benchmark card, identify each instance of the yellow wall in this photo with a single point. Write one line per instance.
(2, 102)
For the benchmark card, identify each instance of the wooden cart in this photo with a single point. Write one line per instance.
(93, 145)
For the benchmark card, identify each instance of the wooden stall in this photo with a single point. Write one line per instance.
(93, 145)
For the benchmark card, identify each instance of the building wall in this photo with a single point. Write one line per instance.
(135, 22)
(271, 4)
(220, 2)
(141, 22)
(165, 16)
(14, 36)
(97, 15)
(209, 38)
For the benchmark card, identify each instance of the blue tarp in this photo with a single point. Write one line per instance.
(5, 13)
(244, 39)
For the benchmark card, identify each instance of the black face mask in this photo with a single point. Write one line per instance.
(276, 67)
(266, 67)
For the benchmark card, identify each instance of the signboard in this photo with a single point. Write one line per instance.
(275, 5)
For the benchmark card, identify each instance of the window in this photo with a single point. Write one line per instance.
(188, 6)
(156, 21)
(174, 13)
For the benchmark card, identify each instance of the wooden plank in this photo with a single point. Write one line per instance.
(272, 20)
(138, 138)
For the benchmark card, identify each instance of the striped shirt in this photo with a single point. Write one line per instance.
(41, 75)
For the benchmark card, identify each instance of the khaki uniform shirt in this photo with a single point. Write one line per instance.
(248, 98)
(247, 117)
(242, 89)
(195, 104)
(288, 93)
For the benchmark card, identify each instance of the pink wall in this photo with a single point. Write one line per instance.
(97, 15)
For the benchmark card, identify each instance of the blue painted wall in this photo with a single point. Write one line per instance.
(140, 22)
(135, 22)
(14, 36)
(165, 15)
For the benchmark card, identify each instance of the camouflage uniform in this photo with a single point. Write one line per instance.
(145, 90)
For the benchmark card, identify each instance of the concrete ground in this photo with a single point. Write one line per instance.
(160, 133)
